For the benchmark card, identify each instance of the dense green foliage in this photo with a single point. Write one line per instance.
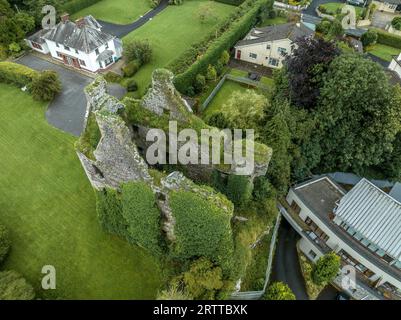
(326, 268)
(131, 85)
(5, 243)
(369, 38)
(131, 68)
(45, 86)
(73, 6)
(239, 189)
(396, 23)
(388, 39)
(132, 214)
(279, 291)
(138, 50)
(202, 230)
(232, 2)
(16, 74)
(14, 287)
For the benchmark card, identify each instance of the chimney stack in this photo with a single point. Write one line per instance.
(80, 22)
(65, 17)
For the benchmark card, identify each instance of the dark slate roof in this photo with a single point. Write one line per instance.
(85, 38)
(38, 36)
(106, 54)
(290, 31)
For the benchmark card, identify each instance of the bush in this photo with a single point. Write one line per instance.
(218, 120)
(396, 23)
(232, 2)
(46, 86)
(239, 189)
(5, 243)
(132, 85)
(109, 211)
(131, 68)
(326, 268)
(16, 74)
(279, 291)
(388, 39)
(369, 38)
(112, 77)
(225, 57)
(201, 229)
(139, 50)
(262, 189)
(200, 82)
(14, 287)
(211, 73)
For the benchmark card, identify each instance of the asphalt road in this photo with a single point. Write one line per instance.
(67, 110)
(122, 30)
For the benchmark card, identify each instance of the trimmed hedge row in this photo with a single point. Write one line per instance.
(16, 74)
(77, 5)
(388, 39)
(228, 39)
(232, 2)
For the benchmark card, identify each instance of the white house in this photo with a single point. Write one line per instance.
(395, 65)
(388, 5)
(363, 226)
(81, 44)
(268, 46)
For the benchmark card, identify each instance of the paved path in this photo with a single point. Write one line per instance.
(67, 110)
(122, 30)
(286, 266)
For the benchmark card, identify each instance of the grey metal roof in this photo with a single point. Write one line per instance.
(290, 31)
(106, 54)
(86, 38)
(374, 214)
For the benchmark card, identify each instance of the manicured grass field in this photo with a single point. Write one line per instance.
(172, 32)
(116, 11)
(49, 206)
(332, 7)
(384, 52)
(273, 21)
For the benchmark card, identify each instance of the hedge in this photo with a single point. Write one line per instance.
(232, 2)
(77, 5)
(5, 243)
(228, 39)
(16, 74)
(202, 230)
(13, 286)
(388, 39)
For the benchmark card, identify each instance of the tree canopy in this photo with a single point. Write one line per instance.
(326, 268)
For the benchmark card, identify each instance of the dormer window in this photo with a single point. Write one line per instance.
(268, 47)
(97, 52)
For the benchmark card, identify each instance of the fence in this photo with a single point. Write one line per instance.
(255, 295)
(232, 78)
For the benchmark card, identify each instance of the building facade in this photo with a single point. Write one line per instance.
(269, 46)
(363, 226)
(81, 44)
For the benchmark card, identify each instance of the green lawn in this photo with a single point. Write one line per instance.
(332, 7)
(273, 21)
(49, 206)
(116, 11)
(172, 32)
(384, 52)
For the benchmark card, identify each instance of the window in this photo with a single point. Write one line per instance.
(36, 45)
(273, 62)
(282, 51)
(253, 55)
(268, 47)
(97, 52)
(387, 258)
(295, 207)
(76, 51)
(67, 48)
(107, 45)
(60, 55)
(82, 62)
(108, 61)
(312, 254)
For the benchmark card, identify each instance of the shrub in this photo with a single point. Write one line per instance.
(46, 86)
(225, 57)
(202, 229)
(90, 138)
(16, 74)
(279, 291)
(139, 50)
(326, 268)
(14, 287)
(211, 73)
(262, 189)
(369, 38)
(141, 215)
(109, 211)
(232, 2)
(200, 82)
(14, 47)
(131, 68)
(218, 120)
(5, 243)
(112, 77)
(239, 189)
(388, 39)
(396, 23)
(132, 85)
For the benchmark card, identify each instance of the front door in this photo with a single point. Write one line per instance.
(75, 63)
(239, 54)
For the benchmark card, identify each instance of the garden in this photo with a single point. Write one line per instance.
(116, 11)
(49, 208)
(334, 9)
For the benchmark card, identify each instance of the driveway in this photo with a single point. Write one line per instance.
(311, 9)
(286, 266)
(67, 110)
(122, 30)
(382, 19)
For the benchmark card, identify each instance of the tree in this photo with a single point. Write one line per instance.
(279, 291)
(218, 120)
(5, 243)
(139, 50)
(396, 23)
(305, 67)
(244, 110)
(200, 82)
(326, 268)
(203, 279)
(14, 287)
(174, 292)
(225, 57)
(211, 73)
(358, 115)
(369, 37)
(25, 21)
(45, 86)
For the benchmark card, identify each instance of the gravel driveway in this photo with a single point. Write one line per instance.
(67, 110)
